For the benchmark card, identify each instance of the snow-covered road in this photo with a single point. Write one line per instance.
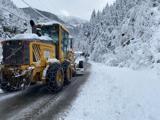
(117, 94)
(107, 94)
(37, 103)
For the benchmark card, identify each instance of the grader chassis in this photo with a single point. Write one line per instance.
(44, 56)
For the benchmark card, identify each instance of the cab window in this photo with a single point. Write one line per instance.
(65, 41)
(52, 32)
(47, 54)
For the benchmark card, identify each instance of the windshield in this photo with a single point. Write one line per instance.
(51, 31)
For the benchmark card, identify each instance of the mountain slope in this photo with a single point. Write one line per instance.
(124, 34)
(12, 19)
(34, 15)
(71, 23)
(74, 21)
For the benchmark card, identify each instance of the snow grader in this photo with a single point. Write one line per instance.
(46, 56)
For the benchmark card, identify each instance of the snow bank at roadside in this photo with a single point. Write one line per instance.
(118, 94)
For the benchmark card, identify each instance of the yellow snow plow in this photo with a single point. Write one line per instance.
(46, 56)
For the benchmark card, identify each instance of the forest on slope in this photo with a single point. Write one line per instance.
(12, 19)
(125, 34)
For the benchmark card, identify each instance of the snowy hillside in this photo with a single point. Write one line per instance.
(117, 94)
(12, 19)
(35, 16)
(74, 24)
(124, 34)
(74, 21)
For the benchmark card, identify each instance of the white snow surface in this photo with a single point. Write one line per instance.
(29, 36)
(25, 36)
(7, 95)
(118, 94)
(50, 23)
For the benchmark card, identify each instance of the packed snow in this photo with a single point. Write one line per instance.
(117, 94)
(49, 23)
(4, 96)
(25, 36)
(29, 36)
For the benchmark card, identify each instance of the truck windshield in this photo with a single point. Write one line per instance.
(51, 32)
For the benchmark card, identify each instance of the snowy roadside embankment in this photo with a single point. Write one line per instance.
(118, 94)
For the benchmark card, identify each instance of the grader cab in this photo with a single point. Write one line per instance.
(45, 56)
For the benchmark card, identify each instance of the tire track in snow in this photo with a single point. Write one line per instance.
(36, 102)
(4, 96)
(48, 108)
(13, 105)
(38, 107)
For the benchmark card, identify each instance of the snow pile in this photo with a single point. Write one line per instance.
(28, 36)
(25, 36)
(117, 94)
(124, 34)
(49, 23)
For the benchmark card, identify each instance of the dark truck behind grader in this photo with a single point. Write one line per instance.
(46, 56)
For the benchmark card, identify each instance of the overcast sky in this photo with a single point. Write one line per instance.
(79, 8)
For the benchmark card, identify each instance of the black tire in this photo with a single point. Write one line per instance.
(53, 84)
(6, 88)
(67, 72)
(4, 85)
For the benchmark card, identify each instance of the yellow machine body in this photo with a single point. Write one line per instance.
(35, 55)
